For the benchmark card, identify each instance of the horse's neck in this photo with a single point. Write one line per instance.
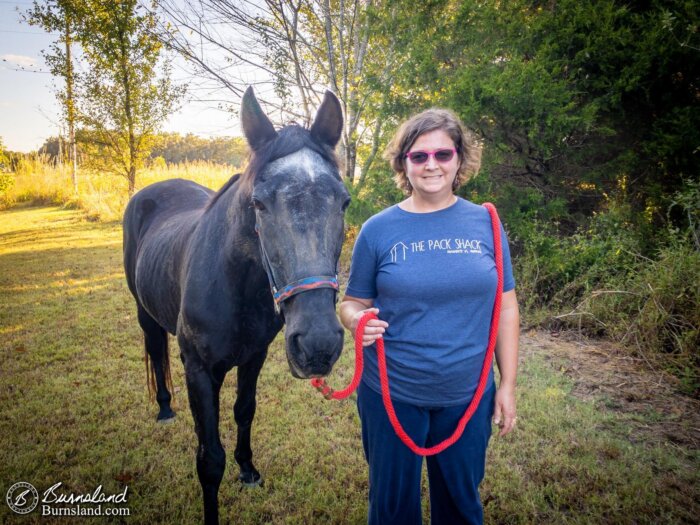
(234, 220)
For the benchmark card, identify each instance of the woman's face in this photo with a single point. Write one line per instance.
(432, 179)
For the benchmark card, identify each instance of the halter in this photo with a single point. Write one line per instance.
(282, 293)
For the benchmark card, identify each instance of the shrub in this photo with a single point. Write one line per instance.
(656, 311)
(7, 181)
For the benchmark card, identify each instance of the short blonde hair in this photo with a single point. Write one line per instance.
(467, 146)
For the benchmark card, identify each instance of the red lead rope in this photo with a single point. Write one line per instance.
(329, 393)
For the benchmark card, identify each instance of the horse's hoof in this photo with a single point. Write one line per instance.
(166, 420)
(251, 479)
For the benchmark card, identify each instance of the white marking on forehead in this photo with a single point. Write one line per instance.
(305, 160)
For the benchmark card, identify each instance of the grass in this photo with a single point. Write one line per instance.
(103, 196)
(74, 409)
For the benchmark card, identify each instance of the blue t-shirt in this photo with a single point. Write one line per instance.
(433, 278)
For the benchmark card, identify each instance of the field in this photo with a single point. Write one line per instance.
(102, 196)
(598, 441)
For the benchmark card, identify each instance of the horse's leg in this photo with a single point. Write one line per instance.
(203, 392)
(243, 413)
(156, 339)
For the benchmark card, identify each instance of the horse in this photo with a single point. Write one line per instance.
(225, 271)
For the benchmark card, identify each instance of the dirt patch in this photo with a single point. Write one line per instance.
(603, 373)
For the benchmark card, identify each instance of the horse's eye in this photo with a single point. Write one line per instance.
(346, 204)
(258, 205)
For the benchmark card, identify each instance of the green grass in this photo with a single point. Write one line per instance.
(74, 408)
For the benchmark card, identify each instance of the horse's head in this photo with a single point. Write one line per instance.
(299, 202)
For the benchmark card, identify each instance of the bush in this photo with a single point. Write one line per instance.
(657, 312)
(556, 272)
(7, 181)
(377, 192)
(600, 281)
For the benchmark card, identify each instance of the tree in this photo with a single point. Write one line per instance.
(59, 16)
(576, 100)
(175, 148)
(297, 47)
(124, 97)
(4, 159)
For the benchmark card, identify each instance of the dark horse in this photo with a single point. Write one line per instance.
(202, 265)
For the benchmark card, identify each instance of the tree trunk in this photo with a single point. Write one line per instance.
(132, 180)
(70, 110)
(126, 83)
(350, 161)
(372, 154)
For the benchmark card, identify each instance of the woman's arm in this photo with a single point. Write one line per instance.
(351, 311)
(507, 359)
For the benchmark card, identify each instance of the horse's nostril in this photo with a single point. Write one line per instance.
(297, 349)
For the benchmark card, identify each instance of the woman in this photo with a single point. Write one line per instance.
(426, 268)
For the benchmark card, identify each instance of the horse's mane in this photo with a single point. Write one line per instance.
(290, 139)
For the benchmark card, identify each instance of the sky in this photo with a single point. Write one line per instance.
(29, 113)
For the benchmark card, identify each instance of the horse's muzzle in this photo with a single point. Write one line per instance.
(313, 354)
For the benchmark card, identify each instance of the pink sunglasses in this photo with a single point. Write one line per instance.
(440, 155)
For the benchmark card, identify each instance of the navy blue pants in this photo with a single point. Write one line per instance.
(454, 475)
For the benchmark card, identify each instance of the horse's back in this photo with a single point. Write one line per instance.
(158, 222)
(164, 199)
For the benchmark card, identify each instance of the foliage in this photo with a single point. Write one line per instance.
(175, 148)
(61, 16)
(4, 158)
(376, 193)
(598, 282)
(297, 50)
(686, 203)
(590, 116)
(7, 181)
(658, 312)
(122, 98)
(171, 148)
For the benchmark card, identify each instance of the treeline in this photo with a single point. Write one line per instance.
(589, 111)
(175, 148)
(590, 114)
(171, 148)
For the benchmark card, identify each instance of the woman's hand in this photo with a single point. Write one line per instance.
(504, 411)
(374, 329)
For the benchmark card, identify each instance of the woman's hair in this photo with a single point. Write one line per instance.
(466, 143)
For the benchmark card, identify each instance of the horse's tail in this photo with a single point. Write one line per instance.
(151, 373)
(156, 353)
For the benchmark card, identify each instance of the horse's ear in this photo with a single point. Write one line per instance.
(328, 124)
(257, 128)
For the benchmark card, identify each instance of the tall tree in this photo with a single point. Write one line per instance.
(576, 100)
(298, 47)
(126, 91)
(4, 159)
(59, 16)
